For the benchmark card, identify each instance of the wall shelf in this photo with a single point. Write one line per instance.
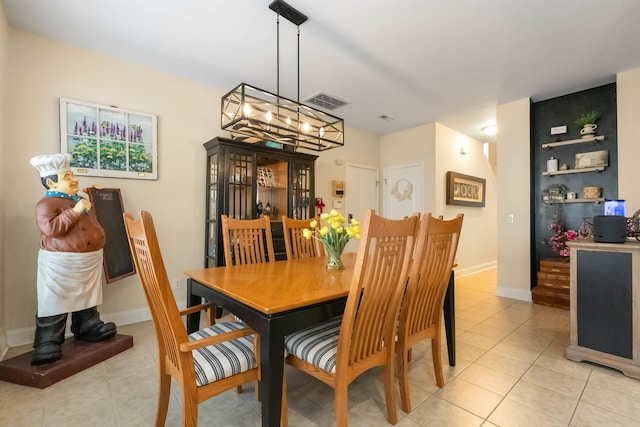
(573, 141)
(564, 201)
(571, 171)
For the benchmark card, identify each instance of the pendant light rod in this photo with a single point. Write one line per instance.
(278, 55)
(298, 64)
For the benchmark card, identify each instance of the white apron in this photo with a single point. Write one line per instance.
(68, 281)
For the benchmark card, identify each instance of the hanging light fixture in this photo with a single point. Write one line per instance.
(260, 116)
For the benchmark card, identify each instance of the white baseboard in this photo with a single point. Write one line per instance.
(4, 346)
(461, 272)
(519, 294)
(501, 291)
(23, 336)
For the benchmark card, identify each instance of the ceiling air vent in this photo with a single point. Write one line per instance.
(323, 100)
(386, 118)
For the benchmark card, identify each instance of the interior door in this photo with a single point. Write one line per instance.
(403, 190)
(361, 194)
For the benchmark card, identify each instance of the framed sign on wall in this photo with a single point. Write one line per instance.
(108, 141)
(465, 190)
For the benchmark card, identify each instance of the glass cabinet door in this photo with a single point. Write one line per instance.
(240, 185)
(212, 211)
(302, 207)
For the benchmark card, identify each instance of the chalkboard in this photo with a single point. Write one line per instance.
(107, 208)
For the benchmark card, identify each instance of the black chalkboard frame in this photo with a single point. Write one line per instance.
(107, 208)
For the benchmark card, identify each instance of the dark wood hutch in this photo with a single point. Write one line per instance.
(243, 179)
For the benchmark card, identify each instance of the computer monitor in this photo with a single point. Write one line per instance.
(614, 207)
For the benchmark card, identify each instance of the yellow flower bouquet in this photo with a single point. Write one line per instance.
(334, 235)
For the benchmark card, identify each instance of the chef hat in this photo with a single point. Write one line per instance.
(51, 164)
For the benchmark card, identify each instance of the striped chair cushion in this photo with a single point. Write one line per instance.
(317, 345)
(219, 361)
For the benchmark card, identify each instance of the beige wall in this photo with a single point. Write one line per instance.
(628, 93)
(361, 147)
(42, 70)
(438, 147)
(4, 42)
(513, 142)
(408, 147)
(478, 242)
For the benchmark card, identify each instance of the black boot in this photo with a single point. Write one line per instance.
(87, 326)
(48, 338)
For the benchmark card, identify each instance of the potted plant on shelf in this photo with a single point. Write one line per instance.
(587, 124)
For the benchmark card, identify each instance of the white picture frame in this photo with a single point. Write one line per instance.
(108, 141)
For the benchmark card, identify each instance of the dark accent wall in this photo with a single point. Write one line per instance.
(560, 111)
(605, 302)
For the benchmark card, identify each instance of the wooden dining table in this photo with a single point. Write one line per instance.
(276, 299)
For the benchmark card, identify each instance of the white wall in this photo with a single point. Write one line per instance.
(513, 142)
(42, 70)
(628, 93)
(477, 249)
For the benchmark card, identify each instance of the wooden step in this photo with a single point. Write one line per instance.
(555, 265)
(553, 283)
(550, 298)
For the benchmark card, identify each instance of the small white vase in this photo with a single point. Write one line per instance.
(588, 131)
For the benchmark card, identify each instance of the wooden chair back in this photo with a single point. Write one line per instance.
(247, 241)
(175, 357)
(294, 241)
(339, 350)
(422, 306)
(367, 333)
(170, 330)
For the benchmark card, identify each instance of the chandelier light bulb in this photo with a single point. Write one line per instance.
(306, 127)
(269, 116)
(288, 121)
(247, 109)
(321, 132)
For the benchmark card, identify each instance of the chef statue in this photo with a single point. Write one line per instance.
(69, 263)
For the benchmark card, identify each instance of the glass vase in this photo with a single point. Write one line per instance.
(335, 259)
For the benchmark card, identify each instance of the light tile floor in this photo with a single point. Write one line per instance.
(510, 371)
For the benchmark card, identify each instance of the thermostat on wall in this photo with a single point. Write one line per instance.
(338, 188)
(557, 130)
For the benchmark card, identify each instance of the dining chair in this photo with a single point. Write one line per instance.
(205, 363)
(294, 241)
(247, 241)
(421, 312)
(339, 350)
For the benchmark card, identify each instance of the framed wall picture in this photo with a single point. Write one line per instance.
(465, 190)
(592, 159)
(108, 141)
